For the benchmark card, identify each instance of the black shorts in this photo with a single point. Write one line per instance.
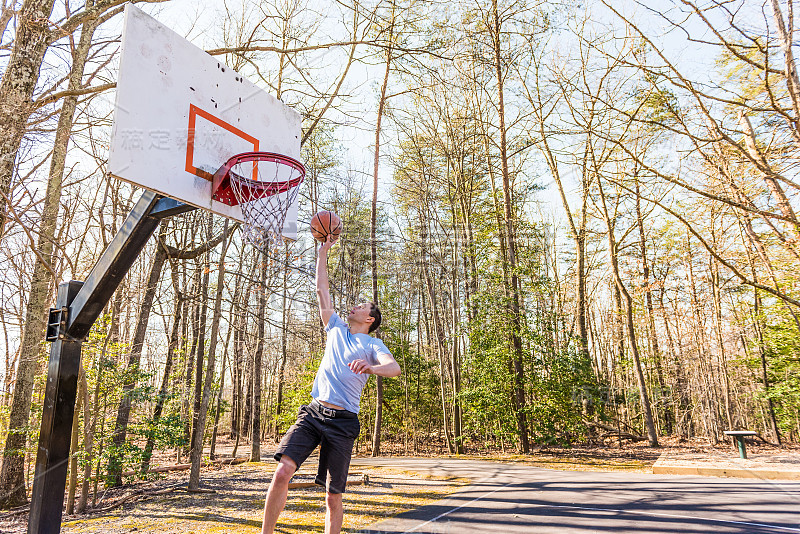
(335, 430)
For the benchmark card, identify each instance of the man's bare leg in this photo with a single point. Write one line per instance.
(276, 495)
(334, 513)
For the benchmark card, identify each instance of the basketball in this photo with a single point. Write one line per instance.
(323, 223)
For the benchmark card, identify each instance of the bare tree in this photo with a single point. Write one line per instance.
(12, 486)
(200, 424)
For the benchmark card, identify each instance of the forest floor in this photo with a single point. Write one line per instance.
(630, 456)
(236, 506)
(164, 505)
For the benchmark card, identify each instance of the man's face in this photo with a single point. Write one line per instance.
(360, 313)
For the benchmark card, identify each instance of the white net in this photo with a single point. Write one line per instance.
(265, 189)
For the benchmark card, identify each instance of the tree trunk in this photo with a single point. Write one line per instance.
(200, 425)
(211, 453)
(255, 448)
(88, 444)
(651, 322)
(163, 392)
(15, 90)
(115, 461)
(578, 233)
(376, 435)
(682, 403)
(6, 14)
(470, 260)
(716, 290)
(189, 371)
(201, 350)
(232, 332)
(237, 368)
(240, 359)
(644, 398)
(247, 415)
(16, 94)
(246, 424)
(510, 237)
(438, 333)
(284, 348)
(455, 316)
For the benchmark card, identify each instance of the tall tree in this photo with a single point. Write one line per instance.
(389, 56)
(200, 424)
(115, 462)
(508, 231)
(163, 391)
(16, 89)
(613, 252)
(262, 259)
(12, 477)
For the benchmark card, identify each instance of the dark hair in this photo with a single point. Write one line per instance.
(374, 312)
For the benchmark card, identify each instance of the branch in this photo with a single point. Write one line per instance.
(688, 187)
(31, 240)
(333, 96)
(731, 47)
(711, 250)
(309, 48)
(695, 93)
(74, 92)
(178, 254)
(82, 17)
(263, 48)
(622, 434)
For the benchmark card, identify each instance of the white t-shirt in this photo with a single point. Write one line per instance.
(335, 382)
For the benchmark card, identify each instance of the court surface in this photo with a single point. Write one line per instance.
(511, 499)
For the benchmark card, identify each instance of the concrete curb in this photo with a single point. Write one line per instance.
(720, 472)
(666, 465)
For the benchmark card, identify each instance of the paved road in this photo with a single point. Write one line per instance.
(513, 499)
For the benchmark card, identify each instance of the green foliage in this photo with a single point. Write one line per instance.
(297, 390)
(167, 431)
(782, 351)
(558, 380)
(486, 396)
(412, 400)
(561, 383)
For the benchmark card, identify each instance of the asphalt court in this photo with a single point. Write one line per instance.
(511, 499)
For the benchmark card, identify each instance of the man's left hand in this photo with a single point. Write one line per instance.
(360, 367)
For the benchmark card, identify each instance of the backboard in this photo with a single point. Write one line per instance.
(180, 114)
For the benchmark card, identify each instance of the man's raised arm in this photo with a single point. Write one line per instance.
(323, 290)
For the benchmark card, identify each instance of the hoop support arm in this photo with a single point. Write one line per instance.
(77, 307)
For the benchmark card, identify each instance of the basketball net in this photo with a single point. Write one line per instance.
(265, 186)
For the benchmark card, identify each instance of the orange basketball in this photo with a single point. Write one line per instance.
(323, 223)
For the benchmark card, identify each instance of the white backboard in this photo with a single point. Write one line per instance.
(180, 114)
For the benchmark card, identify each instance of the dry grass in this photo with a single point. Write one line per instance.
(237, 505)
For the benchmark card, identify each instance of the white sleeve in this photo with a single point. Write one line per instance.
(380, 348)
(334, 322)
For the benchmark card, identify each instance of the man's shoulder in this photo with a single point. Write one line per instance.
(378, 344)
(335, 322)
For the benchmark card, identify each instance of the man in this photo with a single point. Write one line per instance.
(331, 420)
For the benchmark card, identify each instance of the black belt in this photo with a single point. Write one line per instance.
(332, 412)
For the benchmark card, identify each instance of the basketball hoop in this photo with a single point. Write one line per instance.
(264, 185)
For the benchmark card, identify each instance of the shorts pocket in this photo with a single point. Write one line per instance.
(355, 429)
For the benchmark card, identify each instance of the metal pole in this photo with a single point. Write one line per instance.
(59, 405)
(77, 307)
